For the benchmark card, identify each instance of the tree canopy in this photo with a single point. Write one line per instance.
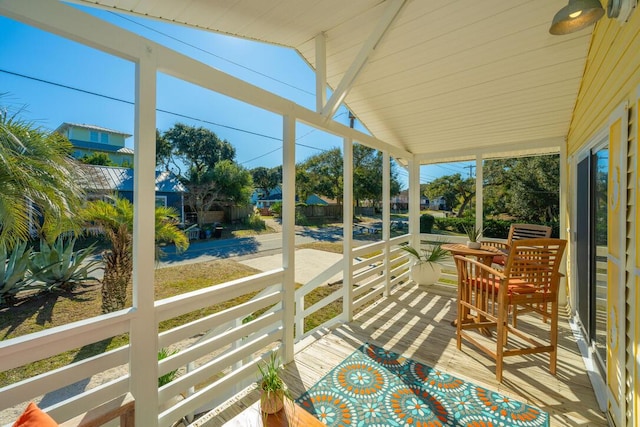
(266, 179)
(525, 188)
(322, 174)
(210, 173)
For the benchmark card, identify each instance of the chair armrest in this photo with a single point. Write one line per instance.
(479, 266)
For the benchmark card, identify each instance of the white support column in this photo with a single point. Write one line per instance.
(144, 327)
(289, 233)
(414, 202)
(564, 212)
(321, 71)
(386, 218)
(347, 230)
(479, 193)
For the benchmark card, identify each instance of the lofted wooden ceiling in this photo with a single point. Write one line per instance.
(447, 79)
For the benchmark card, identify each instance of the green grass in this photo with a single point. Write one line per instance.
(47, 310)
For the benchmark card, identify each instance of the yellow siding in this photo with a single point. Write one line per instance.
(611, 75)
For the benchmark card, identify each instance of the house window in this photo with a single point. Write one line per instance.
(93, 136)
(104, 138)
(161, 201)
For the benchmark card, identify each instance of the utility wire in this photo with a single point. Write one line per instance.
(124, 101)
(213, 54)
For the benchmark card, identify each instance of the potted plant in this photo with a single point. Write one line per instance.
(426, 269)
(473, 234)
(273, 390)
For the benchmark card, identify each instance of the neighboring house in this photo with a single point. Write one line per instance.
(438, 204)
(104, 181)
(275, 196)
(90, 139)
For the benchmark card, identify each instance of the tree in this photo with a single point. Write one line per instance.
(324, 173)
(199, 148)
(116, 220)
(232, 182)
(38, 180)
(100, 159)
(457, 192)
(266, 179)
(164, 151)
(367, 174)
(525, 188)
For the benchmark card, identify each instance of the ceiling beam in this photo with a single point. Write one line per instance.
(321, 71)
(361, 59)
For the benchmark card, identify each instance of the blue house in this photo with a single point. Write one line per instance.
(90, 139)
(104, 181)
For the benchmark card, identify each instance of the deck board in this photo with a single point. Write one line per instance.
(417, 323)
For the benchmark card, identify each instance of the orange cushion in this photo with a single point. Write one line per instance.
(34, 417)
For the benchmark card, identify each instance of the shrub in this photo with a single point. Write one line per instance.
(301, 218)
(276, 209)
(13, 271)
(58, 266)
(426, 223)
(255, 222)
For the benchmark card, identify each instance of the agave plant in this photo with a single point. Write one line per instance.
(14, 270)
(58, 266)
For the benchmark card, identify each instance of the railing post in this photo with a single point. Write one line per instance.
(289, 233)
(144, 327)
(386, 219)
(414, 202)
(479, 192)
(347, 226)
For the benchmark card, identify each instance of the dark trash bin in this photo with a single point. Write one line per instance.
(217, 232)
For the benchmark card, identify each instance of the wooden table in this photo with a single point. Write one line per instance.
(485, 254)
(291, 415)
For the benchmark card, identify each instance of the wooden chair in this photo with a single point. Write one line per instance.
(122, 407)
(529, 281)
(518, 232)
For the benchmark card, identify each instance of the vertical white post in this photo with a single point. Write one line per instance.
(414, 202)
(479, 200)
(347, 227)
(144, 327)
(289, 233)
(564, 212)
(321, 71)
(386, 218)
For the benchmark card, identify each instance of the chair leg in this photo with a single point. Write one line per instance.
(553, 354)
(501, 339)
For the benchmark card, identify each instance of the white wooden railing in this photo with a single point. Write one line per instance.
(218, 352)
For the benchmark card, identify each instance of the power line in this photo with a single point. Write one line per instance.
(213, 54)
(124, 101)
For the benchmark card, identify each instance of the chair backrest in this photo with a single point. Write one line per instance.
(527, 231)
(536, 262)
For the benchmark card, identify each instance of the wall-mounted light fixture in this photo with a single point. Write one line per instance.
(578, 14)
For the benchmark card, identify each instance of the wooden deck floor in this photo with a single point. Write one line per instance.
(416, 323)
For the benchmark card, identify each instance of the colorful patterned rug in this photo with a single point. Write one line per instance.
(375, 387)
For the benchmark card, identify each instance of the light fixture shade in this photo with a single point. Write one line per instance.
(578, 14)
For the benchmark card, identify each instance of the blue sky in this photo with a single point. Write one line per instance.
(51, 80)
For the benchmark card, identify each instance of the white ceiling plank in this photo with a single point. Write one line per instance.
(367, 48)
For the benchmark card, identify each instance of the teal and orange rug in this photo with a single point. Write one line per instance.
(375, 387)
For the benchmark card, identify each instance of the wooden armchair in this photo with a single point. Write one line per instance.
(518, 232)
(529, 281)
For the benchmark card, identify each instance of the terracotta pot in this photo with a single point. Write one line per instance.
(426, 273)
(272, 403)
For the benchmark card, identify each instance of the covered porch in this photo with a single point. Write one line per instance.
(416, 323)
(511, 92)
